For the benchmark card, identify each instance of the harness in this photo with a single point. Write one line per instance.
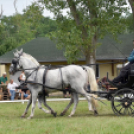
(44, 80)
(16, 60)
(44, 77)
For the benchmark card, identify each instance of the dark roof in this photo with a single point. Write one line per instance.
(44, 50)
(111, 49)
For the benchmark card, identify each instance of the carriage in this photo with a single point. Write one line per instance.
(120, 95)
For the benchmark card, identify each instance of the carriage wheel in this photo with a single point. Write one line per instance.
(123, 102)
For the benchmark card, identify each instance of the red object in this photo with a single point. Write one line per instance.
(105, 83)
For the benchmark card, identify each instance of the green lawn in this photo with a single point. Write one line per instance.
(83, 122)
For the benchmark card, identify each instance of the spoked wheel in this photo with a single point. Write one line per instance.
(123, 102)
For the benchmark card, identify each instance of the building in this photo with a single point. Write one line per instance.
(110, 55)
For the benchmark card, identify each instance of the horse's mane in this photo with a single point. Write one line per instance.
(32, 58)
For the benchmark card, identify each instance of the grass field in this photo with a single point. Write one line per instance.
(83, 122)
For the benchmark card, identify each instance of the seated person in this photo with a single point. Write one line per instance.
(25, 94)
(67, 89)
(1, 94)
(122, 78)
(12, 89)
(22, 76)
(3, 82)
(3, 79)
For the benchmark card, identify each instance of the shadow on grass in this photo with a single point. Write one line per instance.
(45, 116)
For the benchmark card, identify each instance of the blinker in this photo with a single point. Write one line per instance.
(14, 61)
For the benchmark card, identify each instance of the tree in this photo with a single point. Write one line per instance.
(132, 7)
(130, 22)
(86, 21)
(18, 29)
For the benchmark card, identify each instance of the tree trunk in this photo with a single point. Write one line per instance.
(1, 13)
(91, 54)
(90, 59)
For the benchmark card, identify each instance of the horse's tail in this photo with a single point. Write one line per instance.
(92, 79)
(92, 82)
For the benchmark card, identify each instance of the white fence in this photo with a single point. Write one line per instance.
(53, 99)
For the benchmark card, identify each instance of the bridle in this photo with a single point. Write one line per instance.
(15, 61)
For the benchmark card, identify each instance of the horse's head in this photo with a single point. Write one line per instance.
(15, 66)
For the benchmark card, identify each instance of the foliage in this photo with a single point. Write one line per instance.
(130, 27)
(18, 29)
(131, 3)
(85, 22)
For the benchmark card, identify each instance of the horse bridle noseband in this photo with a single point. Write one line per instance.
(15, 61)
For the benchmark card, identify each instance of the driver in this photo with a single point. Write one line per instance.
(124, 71)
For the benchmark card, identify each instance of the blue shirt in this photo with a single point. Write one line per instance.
(131, 57)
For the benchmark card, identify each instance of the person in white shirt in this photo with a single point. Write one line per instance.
(24, 92)
(22, 76)
(12, 88)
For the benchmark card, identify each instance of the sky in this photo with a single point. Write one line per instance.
(8, 7)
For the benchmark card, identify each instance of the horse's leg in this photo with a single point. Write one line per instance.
(28, 105)
(75, 96)
(41, 98)
(68, 106)
(91, 103)
(34, 98)
(94, 104)
(51, 110)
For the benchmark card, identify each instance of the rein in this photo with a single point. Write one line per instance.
(33, 82)
(36, 69)
(27, 69)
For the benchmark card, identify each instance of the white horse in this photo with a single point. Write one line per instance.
(76, 76)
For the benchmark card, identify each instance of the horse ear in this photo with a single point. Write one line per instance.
(21, 51)
(17, 51)
(15, 54)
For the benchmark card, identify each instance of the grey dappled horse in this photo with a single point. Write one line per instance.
(73, 75)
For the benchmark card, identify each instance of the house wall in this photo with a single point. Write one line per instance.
(7, 66)
(2, 69)
(107, 67)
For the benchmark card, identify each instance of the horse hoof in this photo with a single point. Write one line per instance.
(55, 114)
(69, 115)
(29, 117)
(95, 112)
(61, 114)
(22, 116)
